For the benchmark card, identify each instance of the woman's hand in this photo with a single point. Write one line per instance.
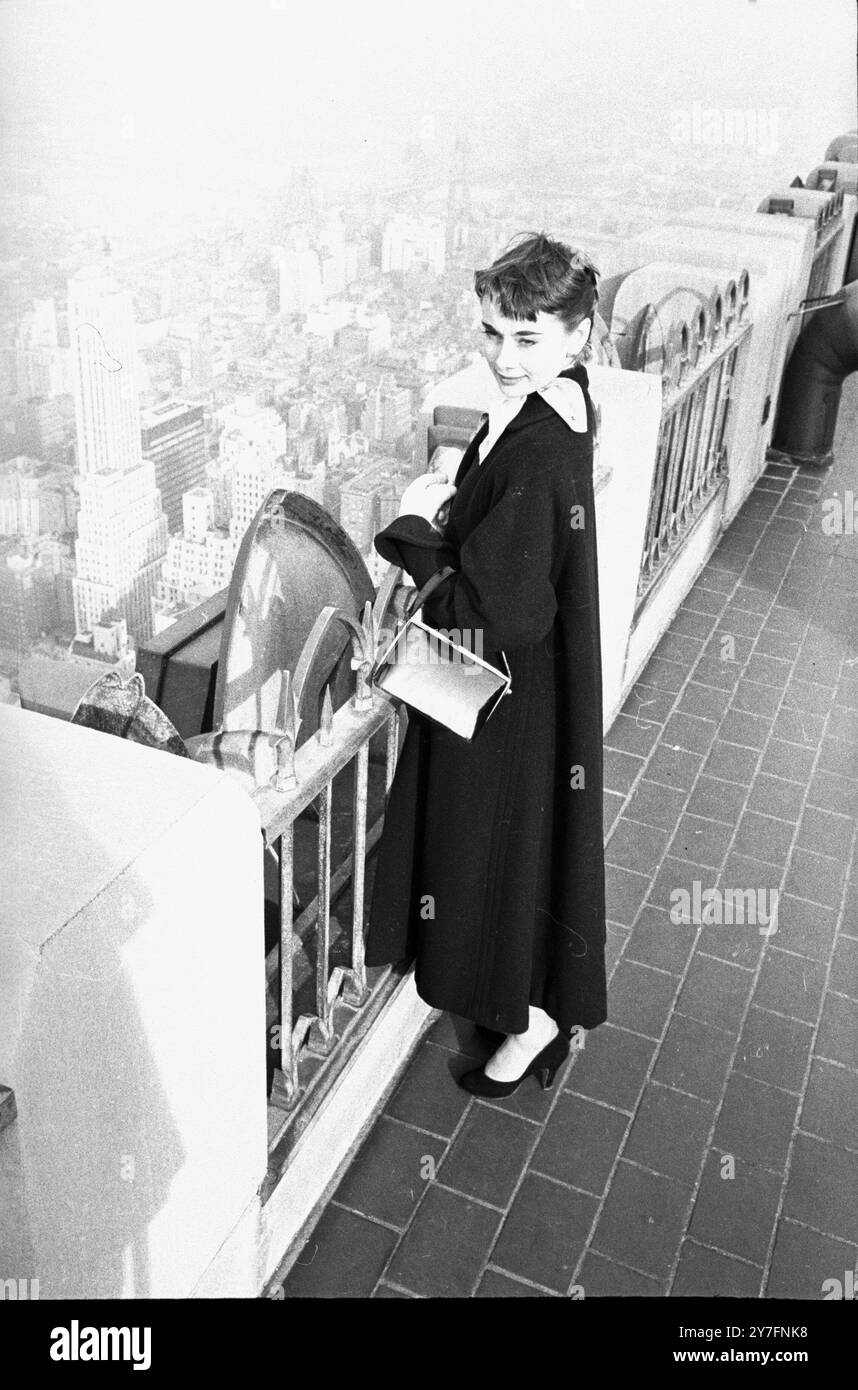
(425, 496)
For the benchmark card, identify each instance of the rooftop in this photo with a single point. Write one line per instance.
(725, 1045)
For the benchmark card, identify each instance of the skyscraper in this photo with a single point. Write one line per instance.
(173, 437)
(122, 531)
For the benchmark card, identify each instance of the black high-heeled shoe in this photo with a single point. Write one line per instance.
(545, 1064)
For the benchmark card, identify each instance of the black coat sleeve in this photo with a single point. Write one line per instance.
(503, 586)
(412, 542)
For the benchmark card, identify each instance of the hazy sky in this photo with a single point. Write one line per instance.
(172, 81)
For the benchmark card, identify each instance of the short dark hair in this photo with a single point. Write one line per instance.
(536, 273)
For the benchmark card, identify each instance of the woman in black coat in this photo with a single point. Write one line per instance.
(490, 869)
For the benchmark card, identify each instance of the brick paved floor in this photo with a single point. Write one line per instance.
(734, 763)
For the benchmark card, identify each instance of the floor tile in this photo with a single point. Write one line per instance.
(642, 1220)
(803, 1261)
(830, 1107)
(580, 1143)
(773, 796)
(833, 793)
(641, 998)
(805, 928)
(674, 767)
(774, 1049)
(427, 1095)
(544, 1234)
(756, 1122)
(763, 837)
(826, 832)
(654, 804)
(816, 877)
(837, 1039)
(386, 1180)
(488, 1155)
(788, 760)
(669, 1133)
(822, 1188)
(704, 1273)
(604, 1278)
(445, 1248)
(790, 984)
(496, 1285)
(844, 967)
(757, 699)
(700, 840)
(343, 1258)
(736, 1213)
(715, 992)
(689, 732)
(613, 1066)
(620, 770)
(749, 730)
(631, 735)
(624, 893)
(704, 701)
(732, 762)
(694, 1057)
(717, 799)
(634, 845)
(655, 940)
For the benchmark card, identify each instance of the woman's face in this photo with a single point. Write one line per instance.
(524, 354)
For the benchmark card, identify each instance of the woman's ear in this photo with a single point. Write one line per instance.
(578, 339)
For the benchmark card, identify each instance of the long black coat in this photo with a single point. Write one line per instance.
(491, 863)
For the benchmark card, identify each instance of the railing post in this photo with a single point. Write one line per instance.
(285, 1089)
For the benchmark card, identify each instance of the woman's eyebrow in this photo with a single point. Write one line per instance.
(519, 333)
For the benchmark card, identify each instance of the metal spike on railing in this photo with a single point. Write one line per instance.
(283, 778)
(326, 731)
(363, 646)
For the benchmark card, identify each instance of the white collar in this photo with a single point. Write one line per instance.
(563, 395)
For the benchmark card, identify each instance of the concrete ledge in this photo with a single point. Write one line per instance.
(268, 1239)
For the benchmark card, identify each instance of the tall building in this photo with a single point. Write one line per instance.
(252, 449)
(200, 561)
(173, 437)
(42, 365)
(20, 616)
(387, 415)
(122, 531)
(35, 499)
(366, 498)
(39, 429)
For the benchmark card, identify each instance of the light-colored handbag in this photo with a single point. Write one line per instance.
(442, 679)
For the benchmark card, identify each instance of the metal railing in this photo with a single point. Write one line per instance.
(303, 776)
(700, 364)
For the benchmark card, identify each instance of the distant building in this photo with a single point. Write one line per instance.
(199, 562)
(35, 499)
(36, 593)
(52, 679)
(252, 447)
(409, 241)
(42, 365)
(122, 531)
(173, 438)
(367, 497)
(300, 274)
(20, 613)
(387, 414)
(39, 429)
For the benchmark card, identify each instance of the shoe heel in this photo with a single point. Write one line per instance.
(546, 1077)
